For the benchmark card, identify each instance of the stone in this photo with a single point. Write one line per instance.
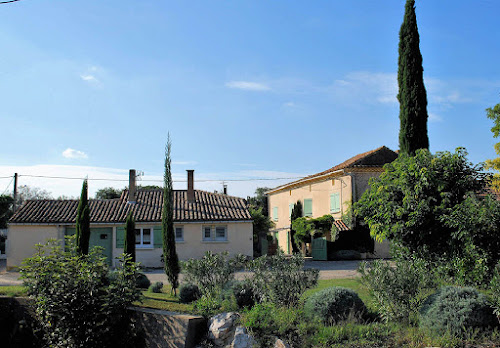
(279, 343)
(242, 339)
(222, 327)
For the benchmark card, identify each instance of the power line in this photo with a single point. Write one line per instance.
(6, 177)
(8, 2)
(152, 180)
(8, 186)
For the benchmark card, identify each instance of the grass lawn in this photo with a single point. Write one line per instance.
(13, 291)
(163, 301)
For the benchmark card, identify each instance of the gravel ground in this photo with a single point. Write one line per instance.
(327, 270)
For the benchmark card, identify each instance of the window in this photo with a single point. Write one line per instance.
(290, 208)
(179, 234)
(143, 237)
(334, 203)
(215, 233)
(308, 207)
(275, 213)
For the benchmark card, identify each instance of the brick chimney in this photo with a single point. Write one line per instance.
(190, 187)
(131, 186)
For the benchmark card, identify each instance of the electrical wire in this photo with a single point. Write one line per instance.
(8, 2)
(8, 186)
(5, 177)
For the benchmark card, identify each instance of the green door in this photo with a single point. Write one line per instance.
(319, 249)
(99, 236)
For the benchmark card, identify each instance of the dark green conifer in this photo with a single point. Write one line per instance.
(412, 95)
(129, 247)
(172, 268)
(83, 222)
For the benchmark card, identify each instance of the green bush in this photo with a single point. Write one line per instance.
(244, 295)
(213, 271)
(334, 304)
(397, 290)
(456, 310)
(281, 279)
(75, 300)
(189, 293)
(156, 287)
(495, 291)
(142, 282)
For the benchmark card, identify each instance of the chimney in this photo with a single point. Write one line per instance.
(225, 189)
(190, 188)
(131, 186)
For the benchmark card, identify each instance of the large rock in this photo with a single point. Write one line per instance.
(279, 343)
(222, 327)
(242, 339)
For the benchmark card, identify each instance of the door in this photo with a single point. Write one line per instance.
(100, 236)
(319, 249)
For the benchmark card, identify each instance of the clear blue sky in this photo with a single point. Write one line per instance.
(247, 89)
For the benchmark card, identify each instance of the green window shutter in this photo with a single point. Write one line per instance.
(70, 231)
(308, 207)
(120, 237)
(290, 208)
(334, 203)
(158, 237)
(275, 213)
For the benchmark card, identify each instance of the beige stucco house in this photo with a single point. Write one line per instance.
(329, 192)
(203, 221)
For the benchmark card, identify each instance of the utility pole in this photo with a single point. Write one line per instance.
(15, 192)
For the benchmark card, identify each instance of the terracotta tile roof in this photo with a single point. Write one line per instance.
(206, 207)
(374, 158)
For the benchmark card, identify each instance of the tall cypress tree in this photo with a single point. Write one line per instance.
(172, 268)
(129, 247)
(296, 213)
(83, 222)
(412, 96)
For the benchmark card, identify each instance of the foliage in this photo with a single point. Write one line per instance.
(410, 202)
(156, 287)
(141, 281)
(412, 95)
(302, 228)
(494, 114)
(456, 309)
(83, 222)
(75, 301)
(296, 213)
(398, 291)
(129, 247)
(172, 267)
(495, 291)
(280, 279)
(26, 192)
(189, 293)
(244, 294)
(6, 202)
(334, 304)
(260, 200)
(108, 193)
(306, 227)
(212, 272)
(261, 223)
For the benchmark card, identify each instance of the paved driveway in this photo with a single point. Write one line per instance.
(327, 270)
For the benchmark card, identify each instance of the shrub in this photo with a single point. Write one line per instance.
(455, 310)
(281, 279)
(334, 304)
(244, 295)
(213, 271)
(495, 291)
(398, 291)
(189, 293)
(156, 287)
(75, 300)
(142, 282)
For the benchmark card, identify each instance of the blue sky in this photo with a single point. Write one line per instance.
(247, 89)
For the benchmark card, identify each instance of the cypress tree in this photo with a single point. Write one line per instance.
(296, 213)
(83, 222)
(129, 247)
(412, 96)
(172, 268)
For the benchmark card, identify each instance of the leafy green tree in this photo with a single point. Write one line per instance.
(172, 268)
(129, 247)
(494, 114)
(83, 222)
(412, 95)
(26, 192)
(260, 200)
(410, 202)
(6, 202)
(108, 193)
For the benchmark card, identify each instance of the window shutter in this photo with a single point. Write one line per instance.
(275, 213)
(308, 207)
(290, 208)
(120, 237)
(158, 237)
(334, 203)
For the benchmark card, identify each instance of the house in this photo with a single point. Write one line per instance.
(329, 192)
(203, 221)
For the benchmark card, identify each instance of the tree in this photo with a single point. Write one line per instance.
(108, 193)
(129, 247)
(260, 199)
(261, 226)
(26, 192)
(172, 268)
(83, 222)
(412, 199)
(412, 95)
(6, 202)
(494, 114)
(296, 213)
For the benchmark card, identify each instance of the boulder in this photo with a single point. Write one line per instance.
(222, 327)
(242, 339)
(279, 343)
